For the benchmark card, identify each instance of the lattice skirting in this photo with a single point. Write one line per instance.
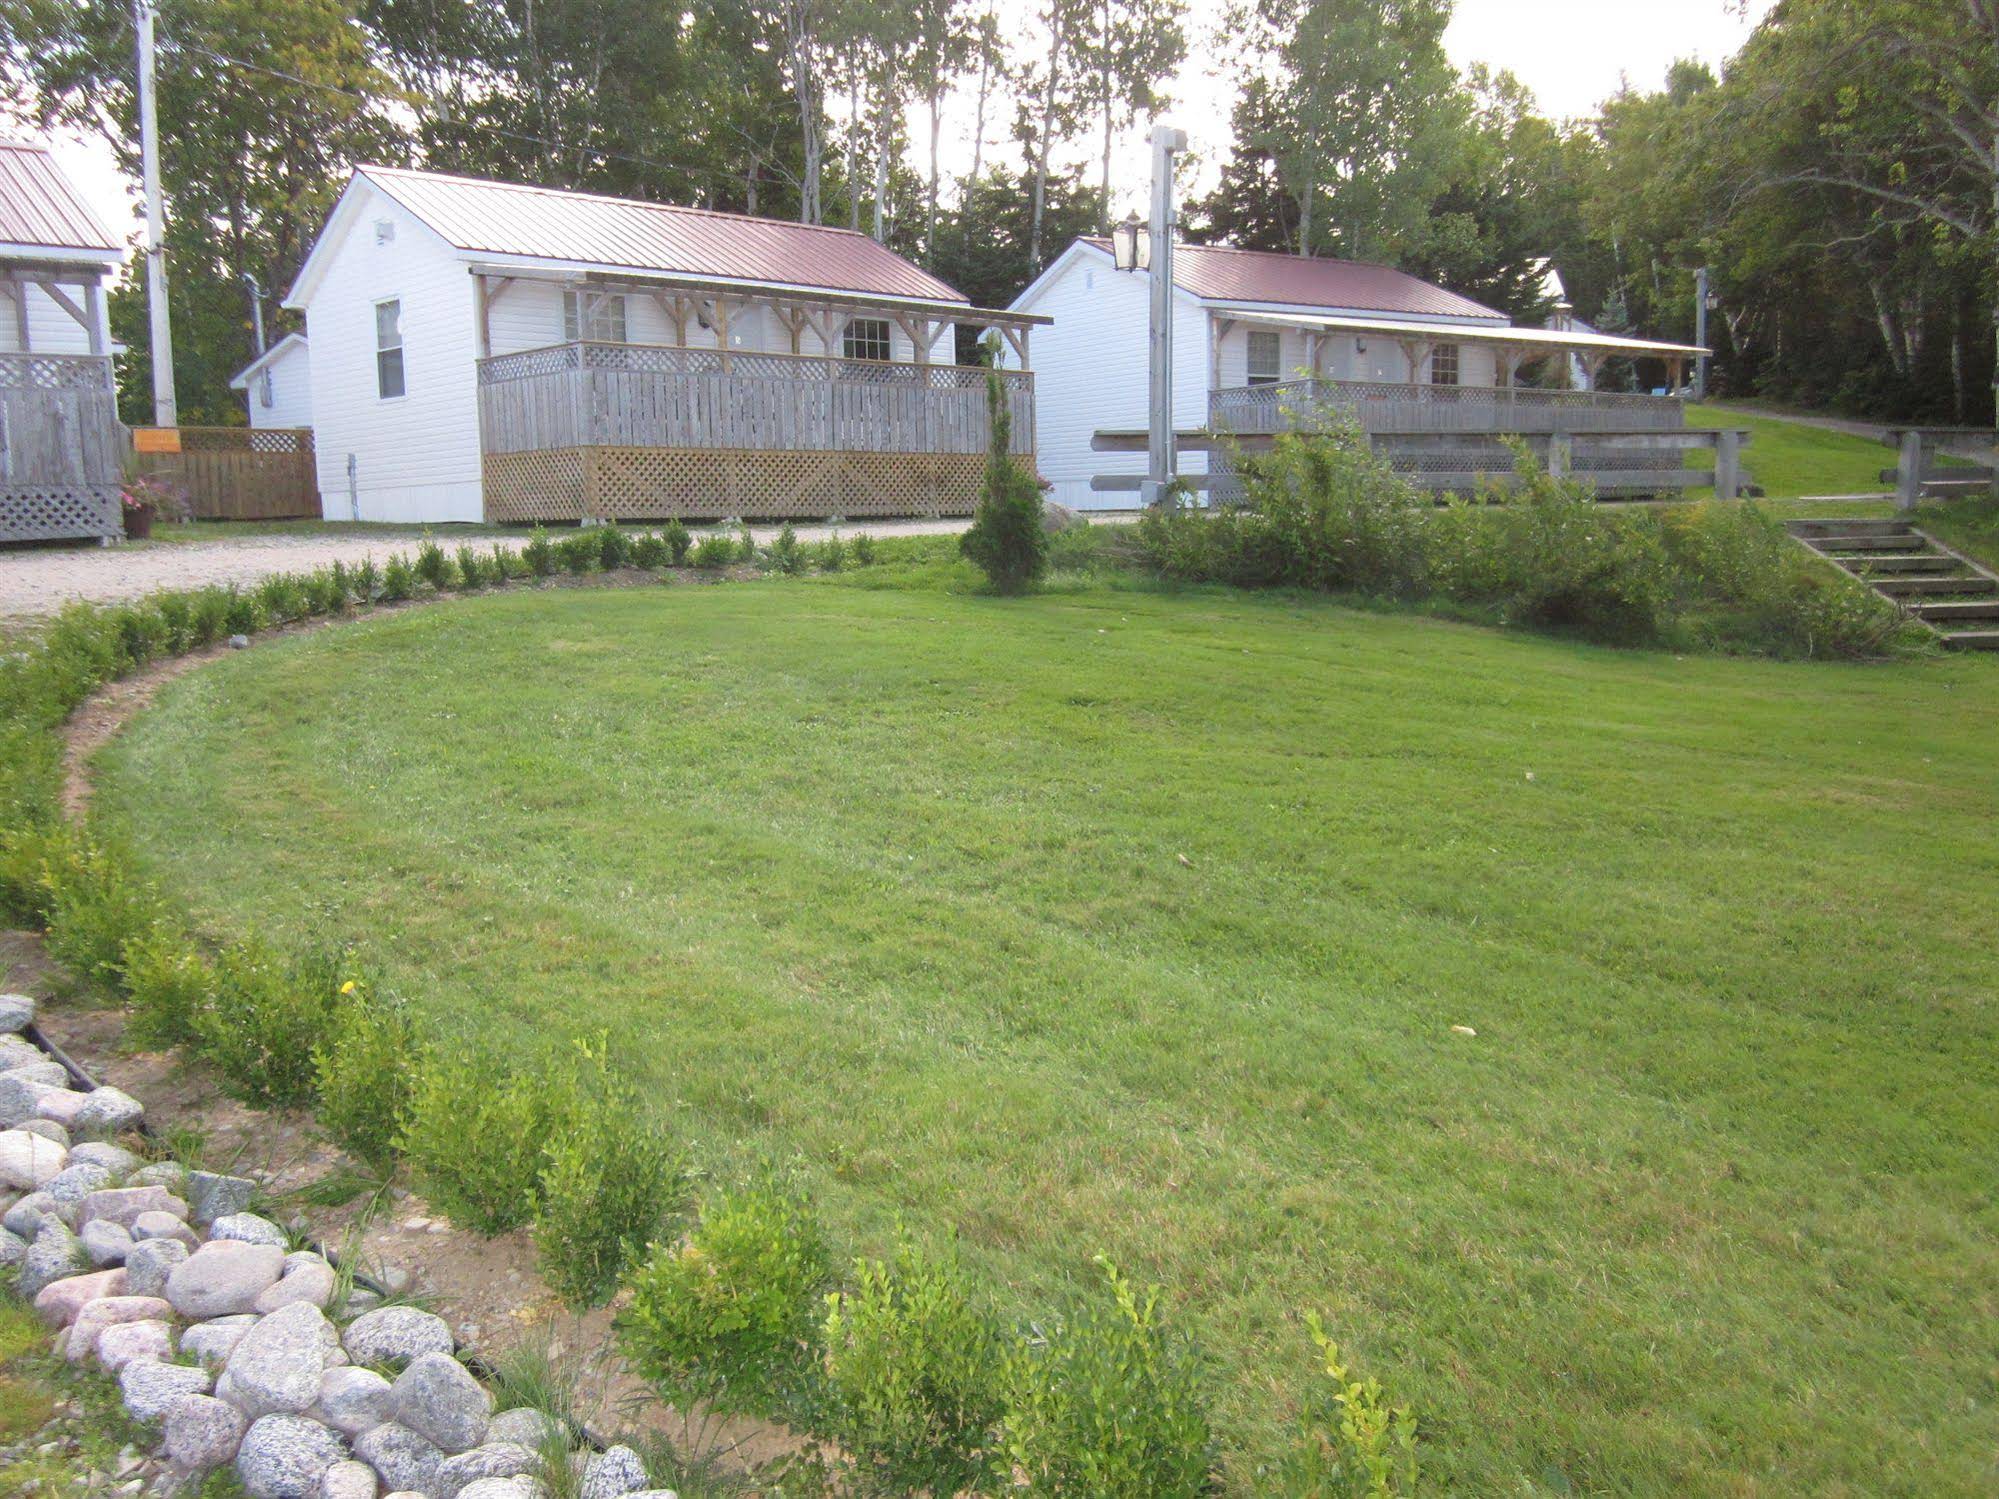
(53, 512)
(719, 483)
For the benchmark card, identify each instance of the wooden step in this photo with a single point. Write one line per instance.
(1971, 640)
(1879, 541)
(1931, 562)
(1956, 609)
(1850, 525)
(1905, 586)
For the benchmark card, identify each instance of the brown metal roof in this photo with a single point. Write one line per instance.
(502, 218)
(1217, 273)
(38, 206)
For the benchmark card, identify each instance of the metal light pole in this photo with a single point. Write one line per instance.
(166, 410)
(1166, 144)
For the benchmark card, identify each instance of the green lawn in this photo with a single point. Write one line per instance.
(1114, 920)
(1790, 459)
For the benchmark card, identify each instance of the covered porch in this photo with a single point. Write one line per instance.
(62, 449)
(1445, 432)
(734, 400)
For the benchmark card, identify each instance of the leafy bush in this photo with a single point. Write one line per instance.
(609, 1178)
(715, 551)
(506, 564)
(474, 1139)
(864, 550)
(1112, 1406)
(432, 565)
(912, 1369)
(675, 534)
(580, 552)
(398, 580)
(91, 903)
(1323, 512)
(649, 552)
(364, 1069)
(265, 1018)
(472, 569)
(1351, 1441)
(168, 985)
(1006, 539)
(746, 543)
(832, 556)
(729, 1318)
(614, 548)
(281, 599)
(786, 555)
(367, 581)
(539, 553)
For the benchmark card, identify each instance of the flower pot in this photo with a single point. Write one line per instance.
(139, 522)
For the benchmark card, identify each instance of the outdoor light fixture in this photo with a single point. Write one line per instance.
(1131, 244)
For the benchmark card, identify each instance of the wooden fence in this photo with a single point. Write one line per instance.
(61, 447)
(246, 473)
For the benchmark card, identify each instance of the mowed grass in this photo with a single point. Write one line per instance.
(1138, 923)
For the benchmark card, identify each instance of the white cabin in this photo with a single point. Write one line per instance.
(493, 351)
(277, 384)
(1255, 329)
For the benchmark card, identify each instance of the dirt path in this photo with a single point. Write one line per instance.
(38, 581)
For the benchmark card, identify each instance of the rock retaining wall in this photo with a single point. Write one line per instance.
(240, 1349)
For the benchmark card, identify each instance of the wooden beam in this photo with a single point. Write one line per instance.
(722, 330)
(21, 314)
(93, 307)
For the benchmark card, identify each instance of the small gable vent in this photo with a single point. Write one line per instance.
(385, 231)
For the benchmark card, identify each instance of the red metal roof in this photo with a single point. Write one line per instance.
(503, 218)
(1220, 274)
(39, 207)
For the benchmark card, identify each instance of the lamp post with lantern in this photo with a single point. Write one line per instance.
(1149, 248)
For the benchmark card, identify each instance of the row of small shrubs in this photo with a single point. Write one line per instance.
(567, 1149)
(912, 1383)
(903, 1372)
(1322, 511)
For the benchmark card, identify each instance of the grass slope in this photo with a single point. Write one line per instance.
(891, 882)
(1792, 459)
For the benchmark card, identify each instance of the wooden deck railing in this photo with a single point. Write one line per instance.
(1393, 407)
(575, 395)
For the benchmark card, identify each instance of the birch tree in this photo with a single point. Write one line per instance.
(1129, 50)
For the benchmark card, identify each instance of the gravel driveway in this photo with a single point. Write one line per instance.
(40, 580)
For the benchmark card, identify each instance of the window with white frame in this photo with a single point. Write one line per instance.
(389, 349)
(604, 324)
(866, 338)
(1444, 365)
(1266, 358)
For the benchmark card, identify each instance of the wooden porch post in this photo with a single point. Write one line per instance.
(1727, 464)
(20, 291)
(1218, 329)
(93, 308)
(722, 330)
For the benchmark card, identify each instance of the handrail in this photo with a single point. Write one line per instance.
(650, 358)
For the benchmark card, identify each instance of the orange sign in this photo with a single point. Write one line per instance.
(156, 439)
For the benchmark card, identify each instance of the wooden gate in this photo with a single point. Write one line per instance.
(247, 473)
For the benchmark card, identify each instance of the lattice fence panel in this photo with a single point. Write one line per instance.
(715, 484)
(521, 488)
(55, 511)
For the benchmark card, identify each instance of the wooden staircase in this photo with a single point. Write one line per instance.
(1946, 590)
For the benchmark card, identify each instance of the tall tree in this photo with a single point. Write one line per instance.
(262, 104)
(1368, 109)
(1051, 108)
(1128, 51)
(942, 46)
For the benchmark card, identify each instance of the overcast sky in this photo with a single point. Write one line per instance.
(1571, 53)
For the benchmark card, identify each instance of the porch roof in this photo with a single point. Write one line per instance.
(1537, 340)
(647, 282)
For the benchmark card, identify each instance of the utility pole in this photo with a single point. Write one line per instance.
(1700, 333)
(1166, 144)
(166, 410)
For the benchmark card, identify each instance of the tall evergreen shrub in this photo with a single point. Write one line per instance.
(1006, 539)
